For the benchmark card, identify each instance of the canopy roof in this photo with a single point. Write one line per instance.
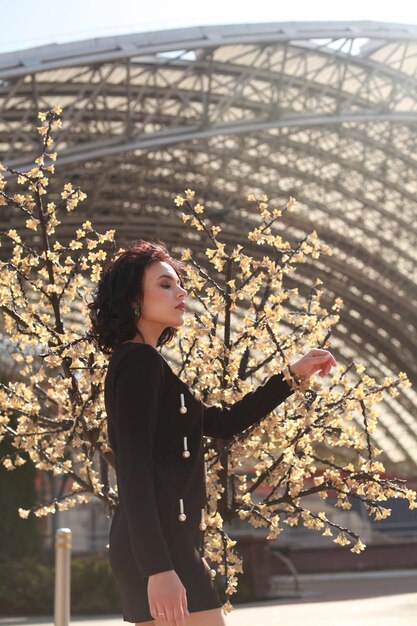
(325, 112)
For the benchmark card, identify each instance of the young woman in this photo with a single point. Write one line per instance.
(156, 425)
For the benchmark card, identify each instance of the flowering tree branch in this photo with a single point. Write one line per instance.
(246, 324)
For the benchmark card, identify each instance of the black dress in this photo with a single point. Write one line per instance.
(157, 482)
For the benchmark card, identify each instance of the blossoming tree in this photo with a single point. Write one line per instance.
(246, 325)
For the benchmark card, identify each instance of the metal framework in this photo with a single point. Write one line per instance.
(326, 112)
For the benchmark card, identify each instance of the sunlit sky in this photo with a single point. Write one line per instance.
(30, 23)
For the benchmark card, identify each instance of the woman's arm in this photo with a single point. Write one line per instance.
(138, 392)
(228, 421)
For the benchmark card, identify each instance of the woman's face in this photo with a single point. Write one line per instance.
(162, 293)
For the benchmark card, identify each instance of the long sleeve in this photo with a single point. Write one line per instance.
(138, 390)
(228, 421)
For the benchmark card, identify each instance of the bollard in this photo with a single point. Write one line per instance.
(62, 576)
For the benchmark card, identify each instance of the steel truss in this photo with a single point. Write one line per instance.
(326, 112)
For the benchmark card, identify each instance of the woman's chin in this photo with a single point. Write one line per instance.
(178, 321)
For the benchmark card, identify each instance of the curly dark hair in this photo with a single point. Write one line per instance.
(112, 316)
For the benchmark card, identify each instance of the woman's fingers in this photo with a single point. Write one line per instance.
(317, 360)
(185, 604)
(319, 357)
(177, 614)
(154, 610)
(319, 364)
(326, 369)
(170, 617)
(328, 366)
(167, 599)
(318, 352)
(179, 617)
(323, 356)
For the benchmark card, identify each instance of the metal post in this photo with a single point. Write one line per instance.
(62, 576)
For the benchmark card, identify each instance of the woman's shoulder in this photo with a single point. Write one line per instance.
(133, 355)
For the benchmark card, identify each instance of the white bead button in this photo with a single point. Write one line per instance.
(202, 525)
(211, 571)
(186, 453)
(182, 517)
(183, 408)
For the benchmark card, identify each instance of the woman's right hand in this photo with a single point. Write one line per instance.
(167, 594)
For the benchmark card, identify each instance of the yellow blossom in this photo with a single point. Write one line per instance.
(410, 494)
(195, 222)
(32, 223)
(341, 539)
(186, 254)
(291, 203)
(13, 234)
(358, 547)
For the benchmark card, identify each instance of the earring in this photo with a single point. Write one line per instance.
(137, 311)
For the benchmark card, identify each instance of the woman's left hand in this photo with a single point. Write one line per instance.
(315, 360)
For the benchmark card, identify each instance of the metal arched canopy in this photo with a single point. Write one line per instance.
(104, 49)
(354, 44)
(323, 111)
